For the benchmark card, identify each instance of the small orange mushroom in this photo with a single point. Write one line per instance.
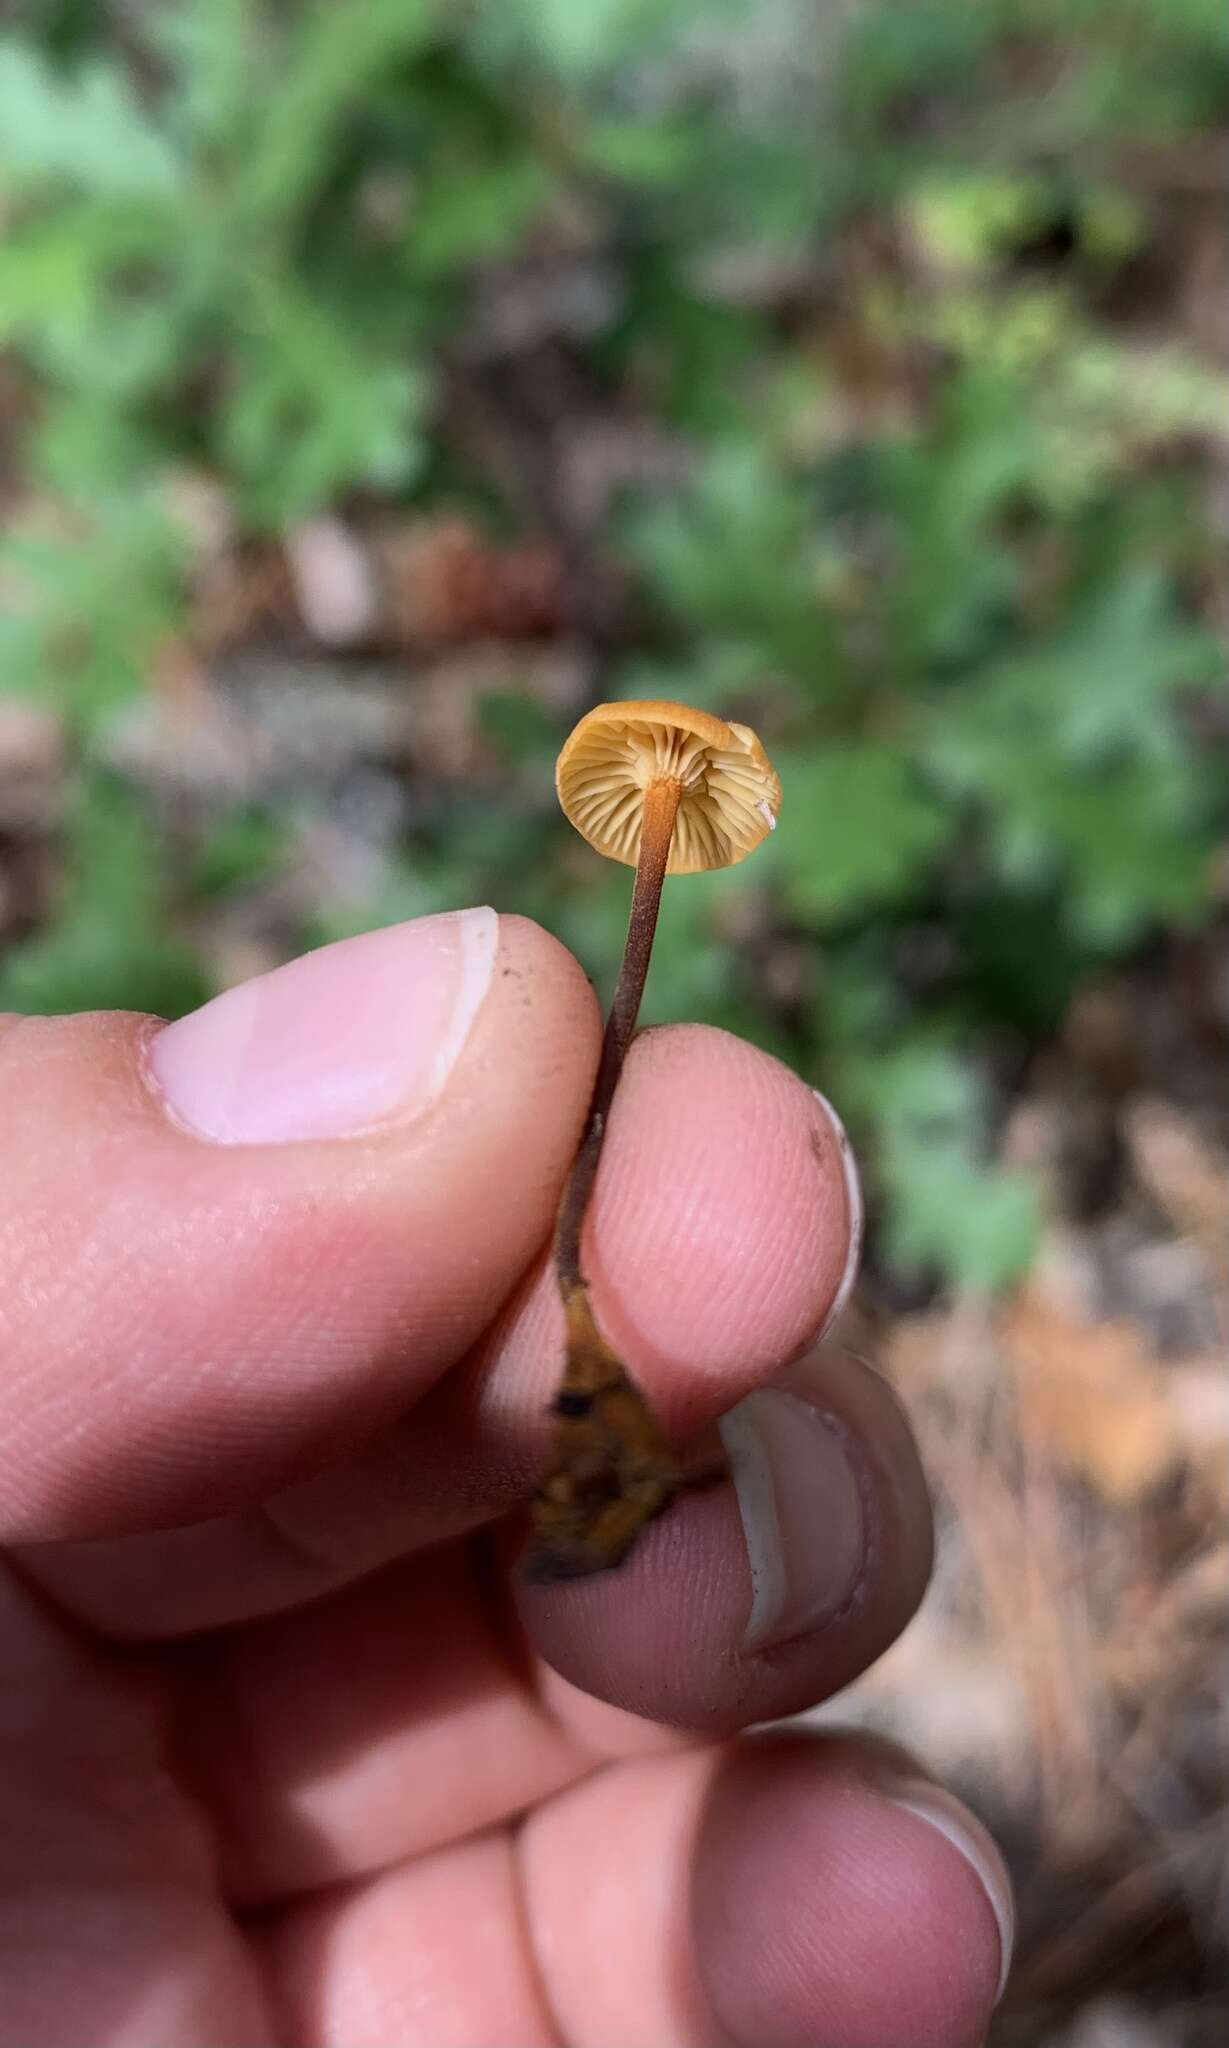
(725, 793)
(668, 790)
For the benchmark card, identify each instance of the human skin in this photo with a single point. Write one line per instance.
(287, 1755)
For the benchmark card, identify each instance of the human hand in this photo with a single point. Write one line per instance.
(286, 1756)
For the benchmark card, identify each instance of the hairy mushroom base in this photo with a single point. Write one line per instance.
(612, 1468)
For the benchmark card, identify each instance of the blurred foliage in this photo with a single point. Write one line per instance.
(942, 537)
(111, 945)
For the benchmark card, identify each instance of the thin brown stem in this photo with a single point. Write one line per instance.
(661, 802)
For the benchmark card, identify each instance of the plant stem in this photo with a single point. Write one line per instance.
(661, 802)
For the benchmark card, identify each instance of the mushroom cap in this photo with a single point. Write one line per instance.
(729, 792)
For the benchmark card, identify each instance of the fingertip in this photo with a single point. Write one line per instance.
(826, 1910)
(771, 1894)
(759, 1595)
(554, 978)
(722, 1227)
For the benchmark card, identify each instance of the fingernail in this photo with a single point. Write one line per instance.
(358, 1034)
(801, 1511)
(856, 1211)
(931, 1803)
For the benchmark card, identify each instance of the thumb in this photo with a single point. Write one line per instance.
(232, 1245)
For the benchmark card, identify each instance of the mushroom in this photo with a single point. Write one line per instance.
(667, 790)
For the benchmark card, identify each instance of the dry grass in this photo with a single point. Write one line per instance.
(1066, 1673)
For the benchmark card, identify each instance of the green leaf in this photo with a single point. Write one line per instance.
(948, 1209)
(1103, 683)
(47, 274)
(740, 553)
(89, 603)
(474, 212)
(648, 154)
(310, 413)
(980, 1227)
(1129, 844)
(244, 849)
(1073, 753)
(83, 129)
(332, 56)
(518, 725)
(109, 946)
(857, 827)
(948, 493)
(579, 42)
(212, 50)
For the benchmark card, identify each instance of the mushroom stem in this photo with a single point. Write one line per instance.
(661, 802)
